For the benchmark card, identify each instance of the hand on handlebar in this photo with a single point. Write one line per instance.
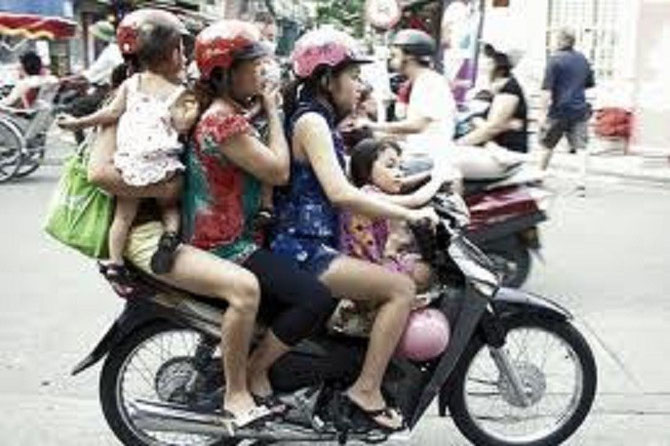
(424, 215)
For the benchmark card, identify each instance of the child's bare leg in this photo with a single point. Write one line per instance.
(124, 214)
(170, 214)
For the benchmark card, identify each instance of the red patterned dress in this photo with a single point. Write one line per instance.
(221, 200)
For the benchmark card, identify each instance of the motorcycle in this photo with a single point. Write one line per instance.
(516, 371)
(505, 217)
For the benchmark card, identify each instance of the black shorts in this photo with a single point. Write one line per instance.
(575, 130)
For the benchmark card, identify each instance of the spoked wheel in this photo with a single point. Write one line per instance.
(31, 161)
(10, 152)
(154, 363)
(557, 373)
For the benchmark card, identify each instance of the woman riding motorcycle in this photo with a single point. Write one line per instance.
(194, 270)
(326, 64)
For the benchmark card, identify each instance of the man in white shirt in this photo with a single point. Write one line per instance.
(431, 113)
(100, 71)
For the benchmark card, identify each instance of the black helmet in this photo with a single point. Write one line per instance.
(415, 42)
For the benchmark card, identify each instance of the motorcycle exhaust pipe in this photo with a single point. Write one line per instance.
(158, 417)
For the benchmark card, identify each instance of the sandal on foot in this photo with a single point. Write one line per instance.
(274, 404)
(249, 419)
(161, 261)
(120, 278)
(371, 416)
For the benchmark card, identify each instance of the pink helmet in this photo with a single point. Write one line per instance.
(324, 47)
(426, 335)
(128, 31)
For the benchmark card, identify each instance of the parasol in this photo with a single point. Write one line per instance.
(32, 26)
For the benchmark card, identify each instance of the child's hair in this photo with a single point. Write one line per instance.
(364, 156)
(156, 41)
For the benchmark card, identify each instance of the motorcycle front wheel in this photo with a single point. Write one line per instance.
(154, 364)
(558, 376)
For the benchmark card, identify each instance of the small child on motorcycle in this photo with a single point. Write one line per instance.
(154, 110)
(375, 169)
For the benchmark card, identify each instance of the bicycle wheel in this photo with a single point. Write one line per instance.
(10, 151)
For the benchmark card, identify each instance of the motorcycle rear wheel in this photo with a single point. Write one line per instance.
(487, 429)
(115, 373)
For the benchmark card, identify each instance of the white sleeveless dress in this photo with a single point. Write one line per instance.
(148, 147)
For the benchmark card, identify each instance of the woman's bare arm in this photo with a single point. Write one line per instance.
(271, 163)
(101, 171)
(314, 136)
(417, 198)
(500, 114)
(413, 180)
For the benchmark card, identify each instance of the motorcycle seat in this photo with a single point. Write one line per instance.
(523, 175)
(149, 285)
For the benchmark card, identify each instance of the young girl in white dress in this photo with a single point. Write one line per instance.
(153, 110)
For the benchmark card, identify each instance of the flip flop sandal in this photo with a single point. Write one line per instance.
(274, 404)
(253, 418)
(367, 419)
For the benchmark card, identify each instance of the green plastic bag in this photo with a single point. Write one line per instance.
(80, 213)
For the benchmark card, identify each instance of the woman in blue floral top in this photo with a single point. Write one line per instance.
(327, 68)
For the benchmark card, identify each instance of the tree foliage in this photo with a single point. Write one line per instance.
(348, 15)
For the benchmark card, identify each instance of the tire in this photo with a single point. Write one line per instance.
(563, 330)
(10, 151)
(112, 407)
(512, 260)
(31, 162)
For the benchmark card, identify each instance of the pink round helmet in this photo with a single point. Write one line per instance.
(324, 47)
(426, 335)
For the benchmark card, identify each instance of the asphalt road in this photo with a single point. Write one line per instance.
(606, 257)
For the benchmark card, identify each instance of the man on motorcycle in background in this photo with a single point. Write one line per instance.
(431, 113)
(98, 74)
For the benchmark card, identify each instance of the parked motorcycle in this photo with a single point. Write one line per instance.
(515, 371)
(505, 217)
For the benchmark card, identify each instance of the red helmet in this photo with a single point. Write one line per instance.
(128, 31)
(224, 42)
(324, 47)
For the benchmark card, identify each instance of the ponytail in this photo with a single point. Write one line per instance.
(124, 70)
(206, 90)
(290, 96)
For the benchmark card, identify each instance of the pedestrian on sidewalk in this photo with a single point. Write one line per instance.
(565, 111)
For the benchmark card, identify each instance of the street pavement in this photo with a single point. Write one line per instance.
(605, 257)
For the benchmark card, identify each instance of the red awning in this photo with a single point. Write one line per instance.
(35, 26)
